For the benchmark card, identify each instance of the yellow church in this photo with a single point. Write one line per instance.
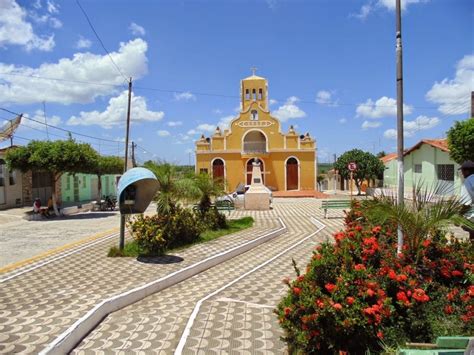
(287, 160)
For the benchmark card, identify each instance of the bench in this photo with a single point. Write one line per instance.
(334, 204)
(225, 205)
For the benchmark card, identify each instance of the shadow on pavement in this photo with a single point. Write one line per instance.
(163, 259)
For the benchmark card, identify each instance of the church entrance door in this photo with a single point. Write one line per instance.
(249, 170)
(218, 170)
(292, 174)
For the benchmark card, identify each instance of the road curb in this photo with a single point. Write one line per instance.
(66, 341)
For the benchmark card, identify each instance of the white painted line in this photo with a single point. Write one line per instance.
(250, 304)
(61, 256)
(66, 341)
(187, 329)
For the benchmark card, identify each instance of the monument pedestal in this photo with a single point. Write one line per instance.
(257, 197)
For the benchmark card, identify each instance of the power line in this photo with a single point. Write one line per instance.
(100, 41)
(61, 129)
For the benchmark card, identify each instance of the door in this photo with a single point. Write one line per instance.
(76, 188)
(42, 186)
(250, 167)
(292, 174)
(218, 170)
(2, 181)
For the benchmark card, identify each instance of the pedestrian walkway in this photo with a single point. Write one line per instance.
(39, 305)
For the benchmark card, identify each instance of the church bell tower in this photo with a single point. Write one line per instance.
(254, 89)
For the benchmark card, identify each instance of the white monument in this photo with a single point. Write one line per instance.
(257, 196)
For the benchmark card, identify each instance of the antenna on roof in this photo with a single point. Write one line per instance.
(6, 132)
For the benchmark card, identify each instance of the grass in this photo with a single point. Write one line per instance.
(132, 249)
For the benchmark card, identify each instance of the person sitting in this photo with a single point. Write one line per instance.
(37, 205)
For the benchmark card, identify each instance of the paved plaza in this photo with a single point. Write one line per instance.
(227, 307)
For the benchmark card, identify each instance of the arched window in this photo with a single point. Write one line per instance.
(254, 115)
(260, 94)
(255, 142)
(254, 94)
(247, 94)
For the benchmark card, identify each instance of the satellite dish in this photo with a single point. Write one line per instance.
(6, 131)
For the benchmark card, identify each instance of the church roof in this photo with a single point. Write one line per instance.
(254, 77)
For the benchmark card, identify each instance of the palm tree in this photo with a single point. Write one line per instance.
(171, 189)
(431, 211)
(204, 188)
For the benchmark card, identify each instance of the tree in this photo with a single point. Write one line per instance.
(461, 141)
(56, 157)
(204, 188)
(381, 154)
(107, 165)
(368, 166)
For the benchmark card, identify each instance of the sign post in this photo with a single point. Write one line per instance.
(352, 166)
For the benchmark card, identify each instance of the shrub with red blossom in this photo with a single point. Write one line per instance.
(357, 292)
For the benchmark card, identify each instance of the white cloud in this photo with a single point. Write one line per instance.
(373, 5)
(83, 67)
(83, 43)
(454, 95)
(217, 111)
(371, 124)
(273, 102)
(342, 120)
(383, 107)
(184, 96)
(52, 7)
(189, 151)
(116, 112)
(174, 123)
(163, 133)
(206, 127)
(15, 30)
(46, 19)
(421, 123)
(324, 97)
(289, 110)
(209, 128)
(39, 116)
(136, 30)
(224, 122)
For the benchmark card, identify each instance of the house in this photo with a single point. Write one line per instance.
(85, 187)
(287, 160)
(11, 185)
(427, 163)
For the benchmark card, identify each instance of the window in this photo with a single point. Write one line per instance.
(418, 168)
(254, 94)
(84, 182)
(445, 172)
(254, 115)
(203, 171)
(68, 182)
(247, 94)
(12, 177)
(260, 94)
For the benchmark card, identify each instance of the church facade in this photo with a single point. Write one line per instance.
(287, 160)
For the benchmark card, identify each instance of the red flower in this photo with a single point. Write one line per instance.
(470, 291)
(300, 278)
(426, 243)
(380, 334)
(420, 296)
(296, 291)
(319, 303)
(376, 229)
(287, 311)
(337, 306)
(370, 292)
(451, 295)
(330, 287)
(359, 267)
(402, 277)
(457, 273)
(350, 300)
(448, 309)
(392, 275)
(402, 297)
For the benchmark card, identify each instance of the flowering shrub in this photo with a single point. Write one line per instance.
(155, 234)
(356, 293)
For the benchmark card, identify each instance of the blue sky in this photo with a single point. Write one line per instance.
(330, 66)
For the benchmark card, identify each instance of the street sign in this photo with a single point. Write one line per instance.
(352, 166)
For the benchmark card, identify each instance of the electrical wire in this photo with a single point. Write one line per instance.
(100, 41)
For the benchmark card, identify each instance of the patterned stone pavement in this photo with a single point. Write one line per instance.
(239, 318)
(41, 303)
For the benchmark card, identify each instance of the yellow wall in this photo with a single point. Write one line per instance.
(229, 147)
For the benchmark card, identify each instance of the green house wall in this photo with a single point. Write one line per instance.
(429, 157)
(87, 187)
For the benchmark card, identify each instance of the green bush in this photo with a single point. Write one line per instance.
(155, 234)
(212, 219)
(357, 294)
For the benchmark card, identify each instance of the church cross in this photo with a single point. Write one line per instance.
(253, 69)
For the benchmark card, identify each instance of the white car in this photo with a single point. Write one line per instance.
(238, 195)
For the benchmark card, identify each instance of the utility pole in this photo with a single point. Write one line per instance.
(134, 164)
(401, 182)
(335, 174)
(122, 216)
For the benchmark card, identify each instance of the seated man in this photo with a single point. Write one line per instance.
(37, 205)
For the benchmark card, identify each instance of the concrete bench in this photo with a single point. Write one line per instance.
(334, 204)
